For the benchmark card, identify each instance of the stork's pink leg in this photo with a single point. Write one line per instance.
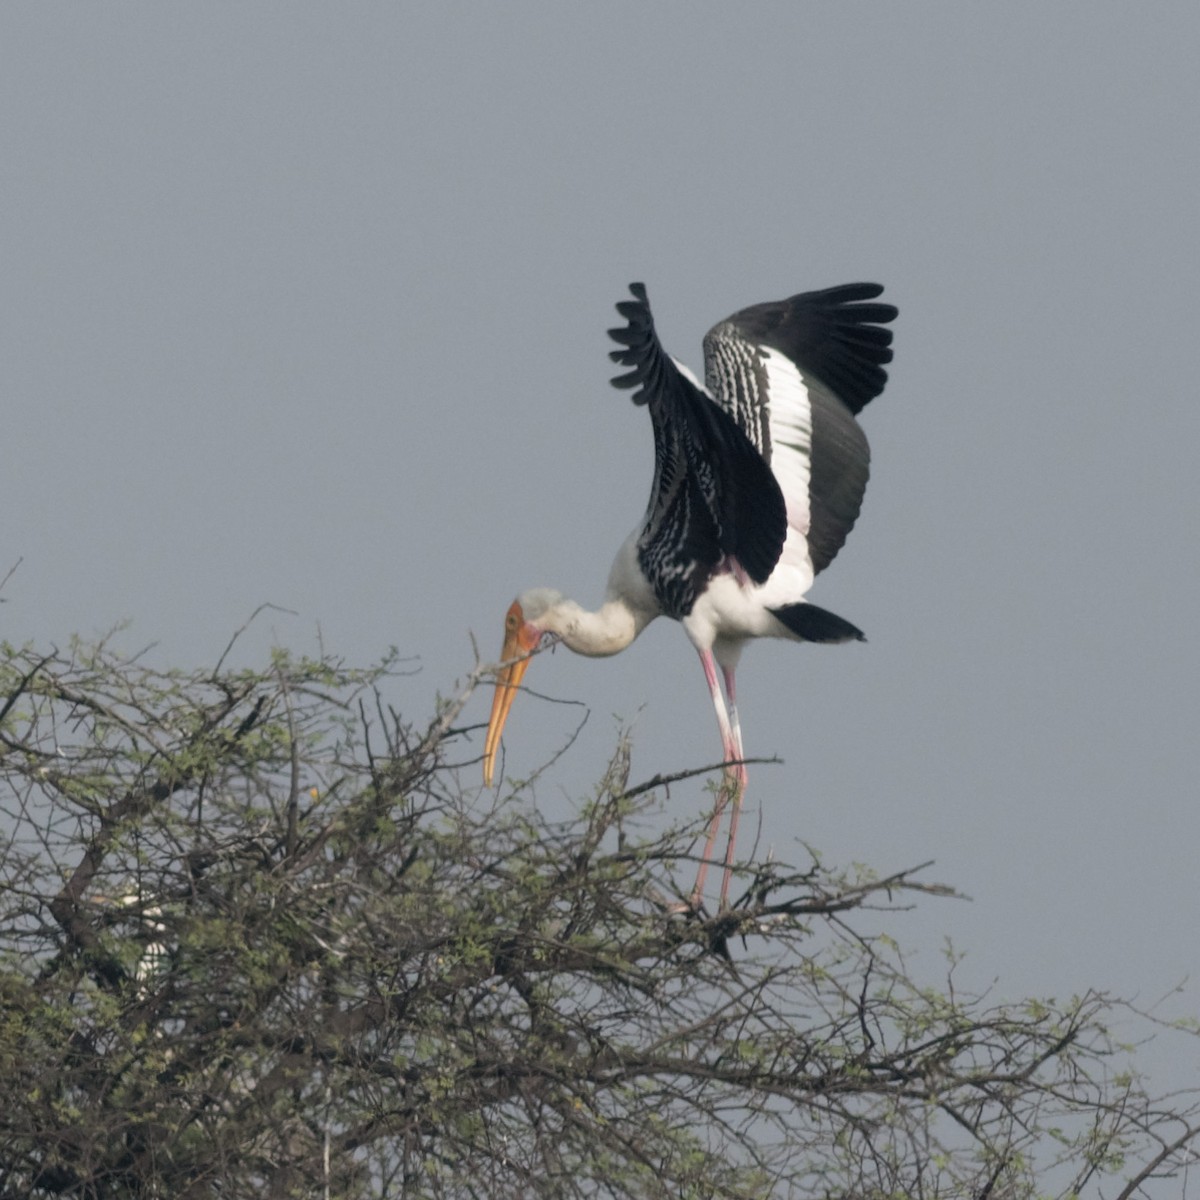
(739, 779)
(735, 778)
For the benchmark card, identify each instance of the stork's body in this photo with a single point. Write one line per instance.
(759, 476)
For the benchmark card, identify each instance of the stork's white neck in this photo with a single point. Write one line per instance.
(607, 631)
(629, 606)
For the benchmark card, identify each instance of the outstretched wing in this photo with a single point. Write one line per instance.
(714, 498)
(793, 373)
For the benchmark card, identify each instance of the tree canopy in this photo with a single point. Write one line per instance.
(261, 934)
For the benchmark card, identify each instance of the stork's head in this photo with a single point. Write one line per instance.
(525, 627)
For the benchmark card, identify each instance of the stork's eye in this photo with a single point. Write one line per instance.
(510, 622)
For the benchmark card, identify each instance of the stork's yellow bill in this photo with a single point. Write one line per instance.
(520, 640)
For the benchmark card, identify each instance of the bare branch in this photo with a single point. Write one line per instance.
(254, 933)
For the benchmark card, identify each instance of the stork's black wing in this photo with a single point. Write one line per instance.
(793, 374)
(714, 497)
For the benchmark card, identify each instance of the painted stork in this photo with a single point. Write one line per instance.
(759, 476)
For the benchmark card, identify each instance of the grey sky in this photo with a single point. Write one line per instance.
(306, 304)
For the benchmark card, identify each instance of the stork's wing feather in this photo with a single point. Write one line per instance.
(714, 496)
(793, 373)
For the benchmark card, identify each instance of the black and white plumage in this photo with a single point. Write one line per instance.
(759, 477)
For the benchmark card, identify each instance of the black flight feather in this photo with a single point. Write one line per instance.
(714, 496)
(835, 335)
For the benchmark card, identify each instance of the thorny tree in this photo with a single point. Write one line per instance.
(258, 938)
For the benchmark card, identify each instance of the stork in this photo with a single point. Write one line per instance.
(759, 476)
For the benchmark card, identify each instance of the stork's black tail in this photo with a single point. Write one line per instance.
(815, 624)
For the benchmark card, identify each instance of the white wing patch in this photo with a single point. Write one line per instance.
(791, 461)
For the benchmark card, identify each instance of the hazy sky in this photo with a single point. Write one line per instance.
(305, 303)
